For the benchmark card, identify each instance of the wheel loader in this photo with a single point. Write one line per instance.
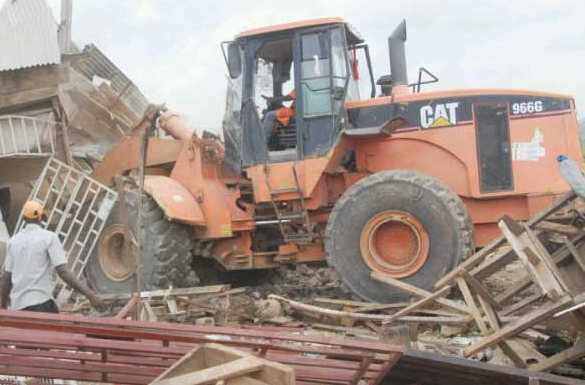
(406, 183)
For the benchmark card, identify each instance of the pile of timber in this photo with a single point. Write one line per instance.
(549, 296)
(550, 249)
(190, 305)
(136, 352)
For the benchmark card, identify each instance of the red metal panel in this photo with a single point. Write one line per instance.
(114, 350)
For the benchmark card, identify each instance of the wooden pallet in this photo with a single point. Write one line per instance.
(217, 364)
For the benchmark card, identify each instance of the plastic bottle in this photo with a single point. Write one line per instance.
(572, 174)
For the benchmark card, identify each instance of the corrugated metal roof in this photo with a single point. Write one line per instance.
(28, 35)
(95, 62)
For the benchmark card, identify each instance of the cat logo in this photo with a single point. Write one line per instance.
(443, 115)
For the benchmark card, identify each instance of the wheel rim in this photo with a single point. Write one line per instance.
(116, 262)
(394, 243)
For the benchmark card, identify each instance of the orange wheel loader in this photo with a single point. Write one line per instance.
(405, 183)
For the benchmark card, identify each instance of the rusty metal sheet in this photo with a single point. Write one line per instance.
(135, 352)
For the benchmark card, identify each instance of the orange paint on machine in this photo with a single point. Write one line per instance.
(402, 182)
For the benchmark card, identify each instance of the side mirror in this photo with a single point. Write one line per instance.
(338, 93)
(234, 60)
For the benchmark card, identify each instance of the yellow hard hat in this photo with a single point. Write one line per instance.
(32, 210)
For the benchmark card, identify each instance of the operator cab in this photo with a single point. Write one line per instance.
(287, 89)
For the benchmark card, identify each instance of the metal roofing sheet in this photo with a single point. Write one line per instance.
(28, 35)
(95, 62)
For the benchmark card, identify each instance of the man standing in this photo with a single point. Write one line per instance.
(32, 255)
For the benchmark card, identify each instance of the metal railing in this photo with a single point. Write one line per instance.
(76, 208)
(26, 136)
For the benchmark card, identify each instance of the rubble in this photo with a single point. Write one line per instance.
(56, 101)
(515, 303)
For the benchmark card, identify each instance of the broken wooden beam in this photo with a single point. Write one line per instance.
(481, 255)
(417, 291)
(519, 325)
(361, 316)
(418, 304)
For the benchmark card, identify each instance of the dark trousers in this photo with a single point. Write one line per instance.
(46, 307)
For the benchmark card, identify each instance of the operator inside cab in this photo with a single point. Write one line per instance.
(281, 115)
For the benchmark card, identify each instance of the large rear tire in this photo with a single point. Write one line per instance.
(166, 259)
(404, 224)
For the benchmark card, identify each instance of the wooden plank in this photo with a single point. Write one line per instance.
(344, 302)
(239, 367)
(147, 314)
(123, 313)
(519, 325)
(303, 307)
(480, 290)
(418, 304)
(458, 321)
(559, 256)
(544, 283)
(573, 353)
(382, 307)
(244, 381)
(521, 304)
(479, 257)
(470, 262)
(496, 262)
(559, 228)
(491, 315)
(517, 287)
(30, 79)
(494, 321)
(172, 292)
(470, 301)
(418, 291)
(575, 253)
(545, 256)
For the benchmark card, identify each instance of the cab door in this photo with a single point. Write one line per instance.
(321, 77)
(493, 146)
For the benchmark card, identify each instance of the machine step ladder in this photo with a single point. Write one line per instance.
(295, 226)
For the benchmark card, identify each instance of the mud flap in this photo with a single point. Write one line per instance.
(175, 200)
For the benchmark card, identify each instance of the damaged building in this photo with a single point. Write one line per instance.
(56, 99)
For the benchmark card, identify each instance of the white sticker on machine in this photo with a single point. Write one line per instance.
(530, 151)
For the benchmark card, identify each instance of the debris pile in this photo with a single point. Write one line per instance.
(517, 302)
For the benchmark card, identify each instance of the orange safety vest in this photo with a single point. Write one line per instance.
(284, 114)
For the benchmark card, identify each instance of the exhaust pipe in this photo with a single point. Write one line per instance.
(398, 59)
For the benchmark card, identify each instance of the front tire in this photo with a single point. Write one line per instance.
(166, 258)
(404, 224)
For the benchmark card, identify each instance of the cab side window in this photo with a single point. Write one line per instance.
(315, 71)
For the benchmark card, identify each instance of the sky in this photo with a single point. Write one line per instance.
(170, 48)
